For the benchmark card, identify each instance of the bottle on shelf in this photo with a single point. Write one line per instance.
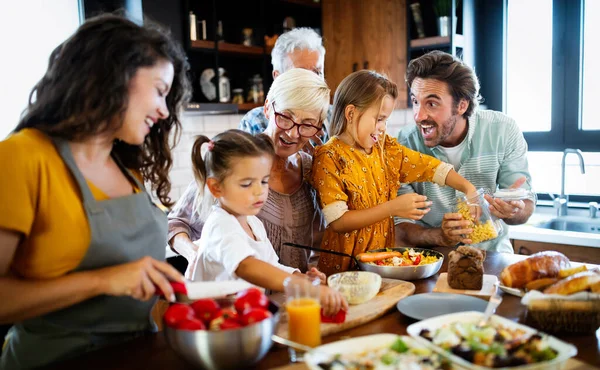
(224, 87)
(193, 30)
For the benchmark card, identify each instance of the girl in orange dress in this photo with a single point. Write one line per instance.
(358, 172)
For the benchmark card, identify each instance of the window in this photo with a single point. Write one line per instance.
(529, 64)
(551, 74)
(30, 30)
(591, 72)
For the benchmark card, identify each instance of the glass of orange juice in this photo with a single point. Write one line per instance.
(304, 313)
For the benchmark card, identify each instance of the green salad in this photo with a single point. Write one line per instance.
(400, 355)
(491, 346)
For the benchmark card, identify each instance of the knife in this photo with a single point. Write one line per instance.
(193, 290)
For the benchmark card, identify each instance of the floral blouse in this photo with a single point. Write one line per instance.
(346, 178)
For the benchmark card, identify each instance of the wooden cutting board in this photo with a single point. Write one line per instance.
(486, 291)
(572, 364)
(390, 293)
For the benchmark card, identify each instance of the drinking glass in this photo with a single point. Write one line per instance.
(304, 313)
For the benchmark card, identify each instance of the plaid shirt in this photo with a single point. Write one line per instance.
(255, 122)
(496, 155)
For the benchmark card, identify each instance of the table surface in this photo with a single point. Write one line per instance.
(152, 351)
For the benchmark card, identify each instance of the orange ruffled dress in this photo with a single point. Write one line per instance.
(346, 178)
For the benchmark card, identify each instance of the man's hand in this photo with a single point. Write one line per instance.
(455, 229)
(507, 210)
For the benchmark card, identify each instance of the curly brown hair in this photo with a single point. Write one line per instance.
(85, 92)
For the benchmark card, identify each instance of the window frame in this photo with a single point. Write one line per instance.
(567, 79)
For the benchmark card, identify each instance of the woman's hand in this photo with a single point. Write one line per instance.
(313, 273)
(454, 228)
(138, 279)
(332, 301)
(412, 206)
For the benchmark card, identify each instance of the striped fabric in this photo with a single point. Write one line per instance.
(495, 156)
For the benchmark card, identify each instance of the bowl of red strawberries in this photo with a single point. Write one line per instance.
(226, 333)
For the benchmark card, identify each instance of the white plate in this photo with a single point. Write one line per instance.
(514, 291)
(565, 350)
(426, 305)
(365, 343)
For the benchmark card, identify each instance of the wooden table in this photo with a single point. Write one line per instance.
(152, 351)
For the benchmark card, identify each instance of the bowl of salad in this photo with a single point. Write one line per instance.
(499, 343)
(376, 352)
(401, 263)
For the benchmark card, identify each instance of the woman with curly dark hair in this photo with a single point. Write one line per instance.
(81, 242)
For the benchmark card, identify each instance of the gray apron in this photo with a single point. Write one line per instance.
(123, 230)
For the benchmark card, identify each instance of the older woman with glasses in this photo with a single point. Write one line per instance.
(296, 107)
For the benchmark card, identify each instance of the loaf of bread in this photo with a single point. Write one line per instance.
(537, 266)
(574, 283)
(465, 268)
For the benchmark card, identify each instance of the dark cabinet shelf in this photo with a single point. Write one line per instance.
(436, 42)
(226, 47)
(244, 107)
(309, 3)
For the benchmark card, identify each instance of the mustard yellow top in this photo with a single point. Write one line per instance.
(40, 199)
(349, 179)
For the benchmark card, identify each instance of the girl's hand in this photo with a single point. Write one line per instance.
(138, 279)
(313, 273)
(412, 206)
(332, 301)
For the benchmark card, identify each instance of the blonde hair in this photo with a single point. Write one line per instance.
(361, 89)
(299, 89)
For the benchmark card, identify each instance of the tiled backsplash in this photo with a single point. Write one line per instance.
(210, 125)
(545, 167)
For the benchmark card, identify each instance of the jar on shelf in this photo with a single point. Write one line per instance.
(256, 92)
(238, 96)
(477, 210)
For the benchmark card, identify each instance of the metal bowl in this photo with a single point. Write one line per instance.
(406, 272)
(227, 349)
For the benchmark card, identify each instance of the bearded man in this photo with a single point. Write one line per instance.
(485, 147)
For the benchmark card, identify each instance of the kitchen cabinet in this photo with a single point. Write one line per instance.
(573, 252)
(365, 35)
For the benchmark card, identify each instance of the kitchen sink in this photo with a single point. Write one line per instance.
(572, 223)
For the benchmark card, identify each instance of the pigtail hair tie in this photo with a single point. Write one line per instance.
(210, 145)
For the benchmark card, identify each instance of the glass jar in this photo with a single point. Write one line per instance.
(477, 210)
(238, 96)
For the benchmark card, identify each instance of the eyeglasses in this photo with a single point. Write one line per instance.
(287, 123)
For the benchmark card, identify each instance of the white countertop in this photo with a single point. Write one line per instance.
(532, 233)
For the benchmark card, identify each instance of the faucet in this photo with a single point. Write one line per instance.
(561, 202)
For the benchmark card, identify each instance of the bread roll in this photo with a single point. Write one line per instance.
(574, 283)
(537, 266)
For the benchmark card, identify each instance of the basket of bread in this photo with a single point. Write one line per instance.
(559, 297)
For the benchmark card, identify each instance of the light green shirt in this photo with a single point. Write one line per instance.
(495, 155)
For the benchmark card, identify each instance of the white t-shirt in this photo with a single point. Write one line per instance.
(454, 154)
(224, 245)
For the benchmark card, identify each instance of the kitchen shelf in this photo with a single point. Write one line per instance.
(436, 42)
(309, 3)
(248, 106)
(226, 47)
(203, 44)
(210, 108)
